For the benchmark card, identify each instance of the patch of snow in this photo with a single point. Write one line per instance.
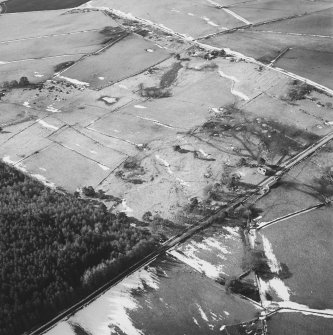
(222, 328)
(216, 110)
(155, 121)
(213, 243)
(123, 86)
(276, 285)
(190, 254)
(295, 307)
(101, 78)
(233, 231)
(105, 168)
(198, 264)
(190, 14)
(240, 94)
(214, 316)
(2, 62)
(42, 169)
(111, 310)
(47, 125)
(214, 3)
(63, 328)
(165, 163)
(121, 301)
(202, 313)
(129, 16)
(26, 104)
(93, 152)
(233, 91)
(43, 180)
(205, 154)
(148, 22)
(125, 208)
(109, 100)
(226, 313)
(280, 288)
(17, 164)
(252, 238)
(195, 321)
(139, 106)
(182, 182)
(74, 81)
(38, 75)
(149, 50)
(7, 160)
(238, 17)
(224, 75)
(201, 246)
(209, 21)
(185, 36)
(51, 109)
(273, 263)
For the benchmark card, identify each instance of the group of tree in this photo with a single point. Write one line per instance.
(23, 82)
(56, 248)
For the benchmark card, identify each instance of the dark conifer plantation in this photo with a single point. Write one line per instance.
(55, 249)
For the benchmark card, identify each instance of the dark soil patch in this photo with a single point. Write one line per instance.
(243, 287)
(109, 103)
(63, 66)
(179, 149)
(113, 34)
(154, 92)
(170, 76)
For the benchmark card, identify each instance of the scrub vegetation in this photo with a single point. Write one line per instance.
(256, 137)
(55, 248)
(299, 91)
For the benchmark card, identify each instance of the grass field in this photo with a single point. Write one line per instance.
(297, 323)
(309, 54)
(304, 244)
(51, 23)
(85, 146)
(260, 11)
(123, 59)
(74, 171)
(13, 6)
(194, 19)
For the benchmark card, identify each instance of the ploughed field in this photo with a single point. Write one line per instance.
(157, 131)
